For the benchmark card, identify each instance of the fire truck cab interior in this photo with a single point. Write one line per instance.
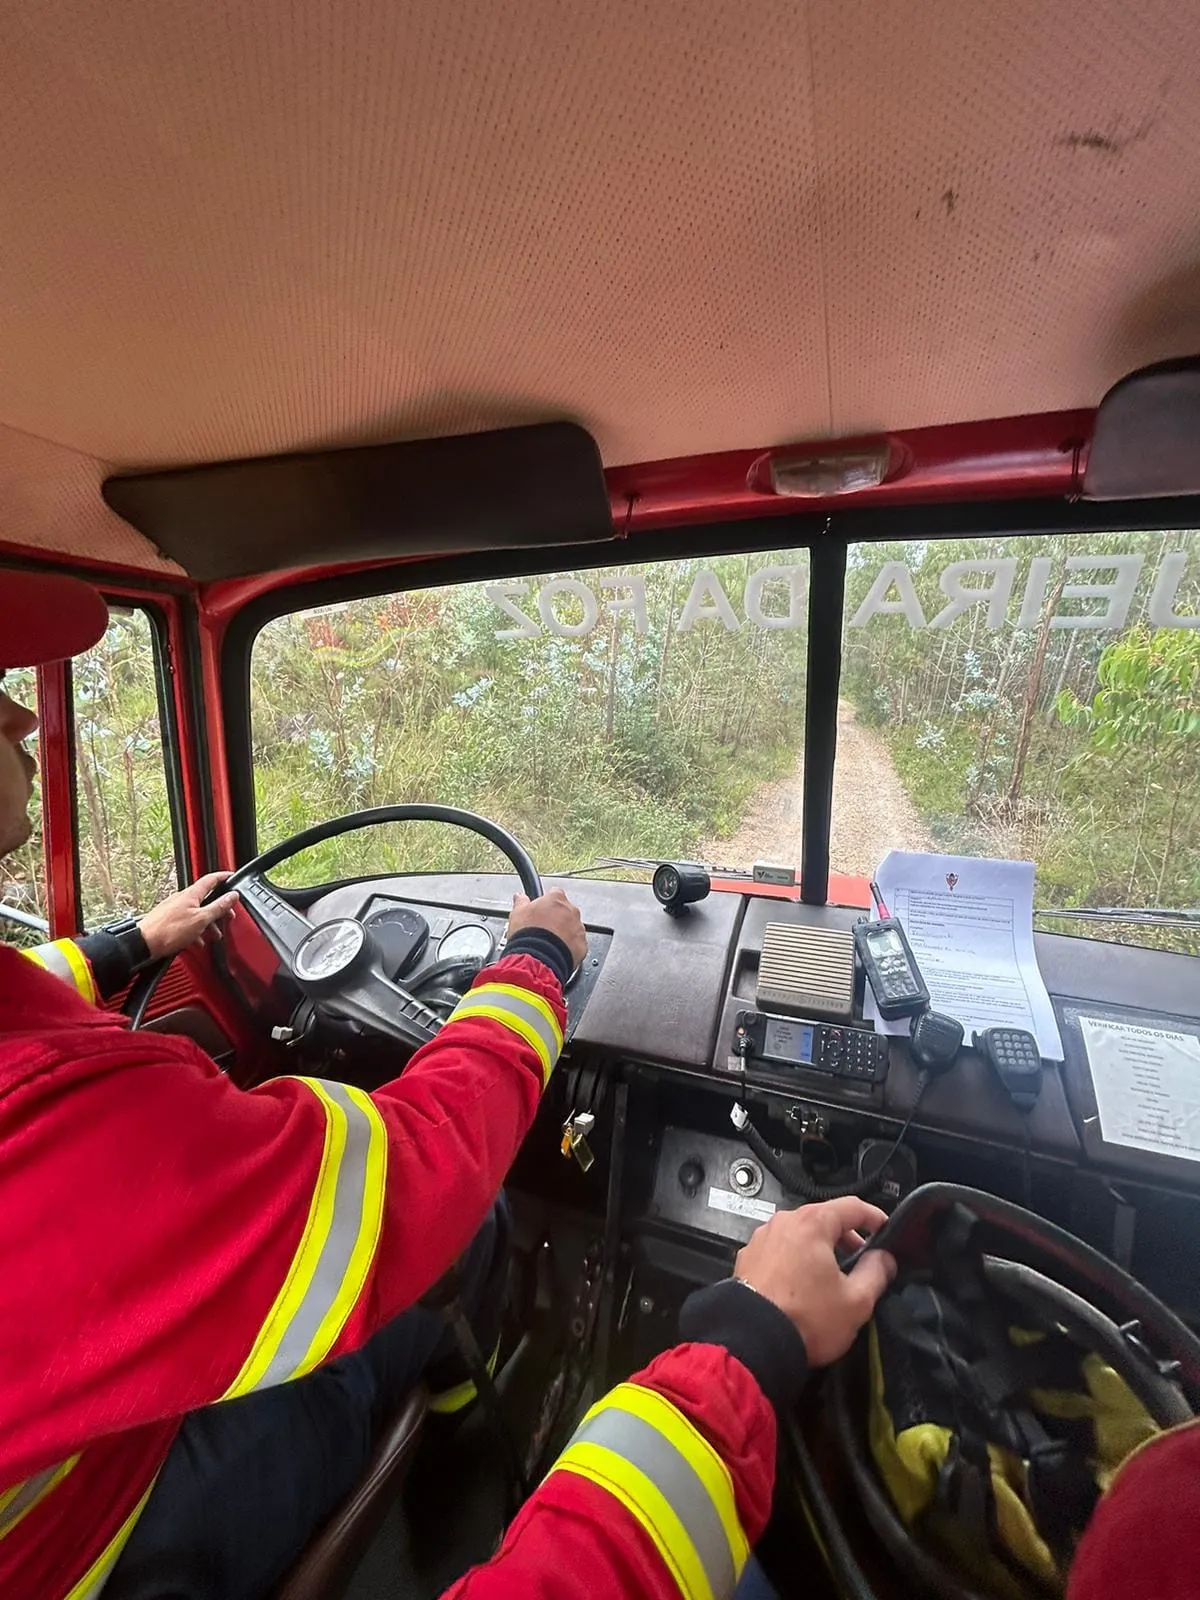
(376, 361)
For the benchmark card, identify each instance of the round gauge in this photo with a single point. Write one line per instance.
(401, 933)
(329, 951)
(471, 942)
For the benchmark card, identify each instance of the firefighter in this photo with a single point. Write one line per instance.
(208, 1304)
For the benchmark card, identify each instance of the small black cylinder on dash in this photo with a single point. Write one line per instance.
(677, 884)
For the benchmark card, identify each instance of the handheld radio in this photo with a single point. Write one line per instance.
(890, 965)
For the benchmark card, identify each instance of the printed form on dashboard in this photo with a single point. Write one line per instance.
(970, 924)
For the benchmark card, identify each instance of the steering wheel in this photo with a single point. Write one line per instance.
(338, 962)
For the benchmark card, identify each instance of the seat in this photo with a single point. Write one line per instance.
(328, 1564)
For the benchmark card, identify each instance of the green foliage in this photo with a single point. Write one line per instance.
(1104, 799)
(126, 850)
(1149, 694)
(618, 742)
(1077, 748)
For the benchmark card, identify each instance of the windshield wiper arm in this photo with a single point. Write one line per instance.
(1150, 916)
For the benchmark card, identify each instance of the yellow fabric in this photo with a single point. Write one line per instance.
(488, 1000)
(80, 969)
(92, 1582)
(369, 1230)
(654, 1409)
(9, 1495)
(69, 957)
(517, 1025)
(909, 1463)
(448, 1401)
(646, 1503)
(1163, 1433)
(1121, 1424)
(307, 1258)
(645, 1500)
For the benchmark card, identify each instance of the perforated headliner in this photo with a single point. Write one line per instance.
(692, 225)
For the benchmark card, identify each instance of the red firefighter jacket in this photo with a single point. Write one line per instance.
(1139, 1544)
(660, 1495)
(171, 1241)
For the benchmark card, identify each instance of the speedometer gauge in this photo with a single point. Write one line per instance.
(471, 942)
(329, 951)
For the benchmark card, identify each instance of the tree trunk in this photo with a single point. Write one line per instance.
(610, 708)
(1169, 846)
(1033, 686)
(1065, 669)
(668, 628)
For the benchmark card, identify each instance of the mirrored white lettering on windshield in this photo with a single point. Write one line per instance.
(772, 598)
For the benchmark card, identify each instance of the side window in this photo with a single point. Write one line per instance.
(23, 915)
(126, 840)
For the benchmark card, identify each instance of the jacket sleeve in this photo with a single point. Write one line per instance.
(1140, 1543)
(180, 1241)
(660, 1495)
(666, 1485)
(67, 959)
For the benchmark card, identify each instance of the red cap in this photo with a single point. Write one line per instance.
(45, 617)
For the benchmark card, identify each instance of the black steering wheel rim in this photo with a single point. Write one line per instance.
(144, 986)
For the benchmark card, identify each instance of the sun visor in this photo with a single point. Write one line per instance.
(1146, 439)
(511, 489)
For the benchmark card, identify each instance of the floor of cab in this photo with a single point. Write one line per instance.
(450, 1517)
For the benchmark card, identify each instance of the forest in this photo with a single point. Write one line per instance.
(638, 711)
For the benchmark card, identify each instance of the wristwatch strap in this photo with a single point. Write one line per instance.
(132, 945)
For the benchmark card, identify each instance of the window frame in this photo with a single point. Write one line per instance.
(160, 639)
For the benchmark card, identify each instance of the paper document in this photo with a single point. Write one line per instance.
(970, 924)
(1147, 1083)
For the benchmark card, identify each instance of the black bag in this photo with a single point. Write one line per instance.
(1007, 1375)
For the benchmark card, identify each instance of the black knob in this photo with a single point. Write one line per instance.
(691, 1176)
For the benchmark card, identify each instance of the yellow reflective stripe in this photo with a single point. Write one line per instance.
(520, 1011)
(64, 959)
(642, 1449)
(16, 1503)
(647, 1504)
(336, 1249)
(530, 998)
(80, 970)
(668, 1420)
(366, 1236)
(447, 1401)
(94, 1579)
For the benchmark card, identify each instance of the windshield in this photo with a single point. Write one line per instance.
(1035, 697)
(635, 711)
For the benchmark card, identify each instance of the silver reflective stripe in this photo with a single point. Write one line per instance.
(52, 958)
(348, 1200)
(650, 1452)
(488, 1000)
(25, 1496)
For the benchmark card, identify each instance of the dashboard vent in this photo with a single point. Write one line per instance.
(808, 970)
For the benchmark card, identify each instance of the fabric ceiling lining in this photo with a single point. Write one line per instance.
(236, 230)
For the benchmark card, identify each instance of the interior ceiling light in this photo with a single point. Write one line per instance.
(819, 473)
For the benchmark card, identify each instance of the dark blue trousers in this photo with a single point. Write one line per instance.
(248, 1483)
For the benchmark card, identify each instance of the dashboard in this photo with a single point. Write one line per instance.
(657, 1005)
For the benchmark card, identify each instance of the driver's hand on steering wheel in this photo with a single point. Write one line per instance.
(555, 913)
(182, 919)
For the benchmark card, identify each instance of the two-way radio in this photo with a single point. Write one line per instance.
(890, 965)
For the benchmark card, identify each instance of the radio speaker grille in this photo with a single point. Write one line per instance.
(808, 970)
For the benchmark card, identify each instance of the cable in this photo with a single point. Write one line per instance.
(790, 1172)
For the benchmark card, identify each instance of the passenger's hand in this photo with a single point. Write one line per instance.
(790, 1260)
(556, 914)
(181, 921)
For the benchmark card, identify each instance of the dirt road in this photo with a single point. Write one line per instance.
(872, 813)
